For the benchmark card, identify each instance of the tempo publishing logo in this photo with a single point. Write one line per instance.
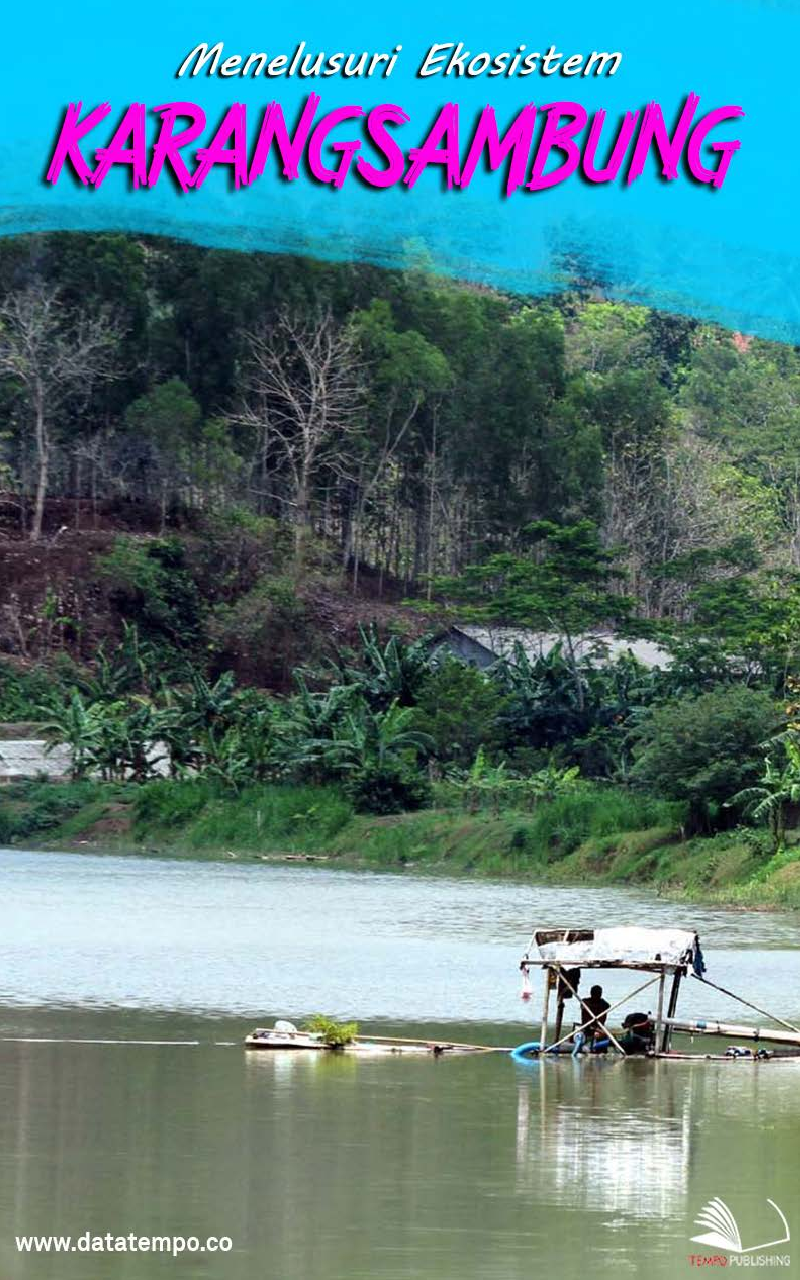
(724, 1234)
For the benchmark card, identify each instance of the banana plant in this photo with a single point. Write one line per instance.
(77, 726)
(389, 672)
(778, 790)
(129, 741)
(226, 759)
(364, 736)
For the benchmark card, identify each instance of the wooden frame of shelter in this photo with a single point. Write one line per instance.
(663, 953)
(572, 949)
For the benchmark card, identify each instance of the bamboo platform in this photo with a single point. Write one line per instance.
(735, 1031)
(662, 957)
(365, 1045)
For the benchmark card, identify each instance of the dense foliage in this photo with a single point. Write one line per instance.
(388, 722)
(259, 438)
(442, 424)
(705, 749)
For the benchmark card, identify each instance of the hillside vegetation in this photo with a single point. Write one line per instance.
(244, 495)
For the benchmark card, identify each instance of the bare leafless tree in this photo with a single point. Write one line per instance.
(663, 505)
(304, 402)
(53, 357)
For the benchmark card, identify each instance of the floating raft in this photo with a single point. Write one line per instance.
(668, 956)
(661, 958)
(270, 1038)
(734, 1030)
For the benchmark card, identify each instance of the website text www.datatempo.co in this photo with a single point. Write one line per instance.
(88, 1242)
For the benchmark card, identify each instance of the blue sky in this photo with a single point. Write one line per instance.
(729, 255)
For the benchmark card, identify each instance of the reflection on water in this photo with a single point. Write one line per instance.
(336, 1167)
(595, 1128)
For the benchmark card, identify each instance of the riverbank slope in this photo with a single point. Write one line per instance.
(600, 835)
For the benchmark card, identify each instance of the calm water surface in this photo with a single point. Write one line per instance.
(330, 1167)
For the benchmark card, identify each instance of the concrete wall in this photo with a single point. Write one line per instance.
(22, 758)
(26, 758)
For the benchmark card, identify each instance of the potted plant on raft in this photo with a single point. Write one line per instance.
(334, 1034)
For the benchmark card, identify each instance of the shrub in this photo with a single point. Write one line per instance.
(704, 750)
(336, 1034)
(24, 693)
(389, 787)
(460, 710)
(237, 547)
(152, 587)
(265, 632)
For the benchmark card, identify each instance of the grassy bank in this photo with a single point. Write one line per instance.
(598, 835)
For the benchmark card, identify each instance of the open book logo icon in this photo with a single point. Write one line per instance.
(724, 1233)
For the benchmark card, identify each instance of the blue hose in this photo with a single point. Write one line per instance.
(530, 1050)
(524, 1052)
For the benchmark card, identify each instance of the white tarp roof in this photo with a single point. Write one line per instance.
(629, 944)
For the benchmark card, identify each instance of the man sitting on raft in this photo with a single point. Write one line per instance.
(595, 1007)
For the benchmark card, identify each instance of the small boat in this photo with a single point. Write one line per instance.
(278, 1038)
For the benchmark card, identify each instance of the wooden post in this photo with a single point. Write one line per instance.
(545, 1009)
(559, 988)
(660, 1012)
(666, 1039)
(595, 1016)
(559, 1018)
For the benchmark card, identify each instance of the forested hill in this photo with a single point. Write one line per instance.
(385, 433)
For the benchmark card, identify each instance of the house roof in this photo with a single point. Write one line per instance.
(608, 647)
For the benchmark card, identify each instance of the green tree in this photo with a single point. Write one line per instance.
(460, 710)
(407, 374)
(705, 750)
(605, 336)
(564, 584)
(168, 420)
